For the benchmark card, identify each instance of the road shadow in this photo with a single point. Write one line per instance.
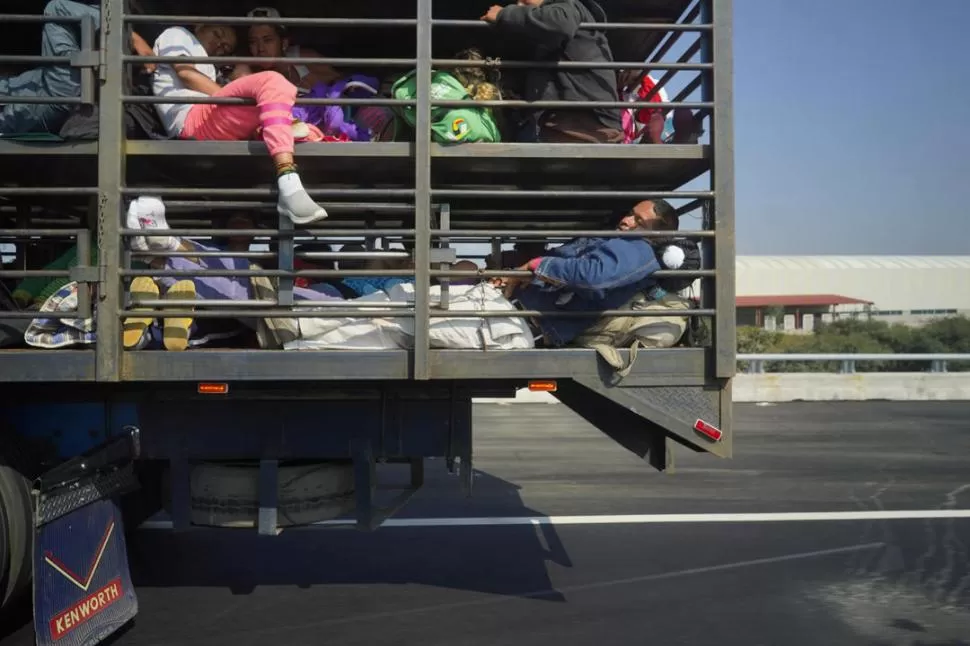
(508, 560)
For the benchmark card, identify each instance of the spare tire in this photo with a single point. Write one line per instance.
(16, 523)
(227, 494)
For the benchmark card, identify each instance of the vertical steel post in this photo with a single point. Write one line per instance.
(285, 259)
(422, 196)
(111, 177)
(267, 523)
(87, 49)
(444, 223)
(719, 13)
(84, 287)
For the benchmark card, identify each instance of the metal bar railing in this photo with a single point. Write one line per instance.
(718, 86)
(111, 177)
(33, 17)
(689, 17)
(192, 206)
(595, 195)
(463, 103)
(283, 22)
(409, 62)
(847, 362)
(228, 100)
(261, 192)
(51, 191)
(608, 26)
(112, 188)
(388, 22)
(346, 273)
(81, 273)
(369, 313)
(681, 65)
(86, 58)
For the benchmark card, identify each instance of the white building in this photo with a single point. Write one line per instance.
(897, 289)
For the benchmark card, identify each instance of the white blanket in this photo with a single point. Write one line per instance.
(351, 333)
(464, 333)
(454, 333)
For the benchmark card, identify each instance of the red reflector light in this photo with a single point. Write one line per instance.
(708, 430)
(213, 389)
(543, 386)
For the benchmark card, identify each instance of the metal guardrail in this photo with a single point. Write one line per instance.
(848, 361)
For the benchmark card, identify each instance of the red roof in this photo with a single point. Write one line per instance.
(798, 300)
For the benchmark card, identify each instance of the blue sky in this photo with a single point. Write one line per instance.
(852, 126)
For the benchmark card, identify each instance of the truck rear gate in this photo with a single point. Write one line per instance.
(359, 409)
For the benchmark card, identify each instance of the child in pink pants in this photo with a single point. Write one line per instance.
(271, 118)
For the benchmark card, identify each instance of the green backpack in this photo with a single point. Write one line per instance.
(448, 125)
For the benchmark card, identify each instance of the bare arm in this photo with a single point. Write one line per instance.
(321, 72)
(141, 48)
(196, 80)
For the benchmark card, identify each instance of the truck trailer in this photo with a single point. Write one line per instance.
(241, 434)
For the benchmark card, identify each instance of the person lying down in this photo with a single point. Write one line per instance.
(310, 333)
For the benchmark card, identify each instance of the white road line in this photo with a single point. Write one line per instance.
(647, 519)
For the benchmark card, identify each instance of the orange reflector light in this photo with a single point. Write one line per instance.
(213, 389)
(542, 386)
(712, 432)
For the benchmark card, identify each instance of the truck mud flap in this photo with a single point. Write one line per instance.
(83, 591)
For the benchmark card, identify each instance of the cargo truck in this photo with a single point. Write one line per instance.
(96, 438)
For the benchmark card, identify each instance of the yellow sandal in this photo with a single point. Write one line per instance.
(175, 332)
(133, 329)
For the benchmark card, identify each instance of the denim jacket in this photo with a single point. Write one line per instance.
(587, 275)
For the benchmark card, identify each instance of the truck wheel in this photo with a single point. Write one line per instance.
(226, 495)
(17, 527)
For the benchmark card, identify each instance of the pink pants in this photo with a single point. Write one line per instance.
(273, 112)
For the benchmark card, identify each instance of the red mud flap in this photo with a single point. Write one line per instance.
(82, 587)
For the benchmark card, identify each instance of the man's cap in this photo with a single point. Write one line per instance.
(263, 12)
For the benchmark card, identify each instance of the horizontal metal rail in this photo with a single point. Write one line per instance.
(617, 26)
(47, 233)
(261, 192)
(34, 273)
(222, 61)
(570, 105)
(451, 234)
(255, 304)
(33, 17)
(569, 65)
(34, 60)
(310, 255)
(283, 22)
(174, 206)
(855, 357)
(353, 273)
(392, 313)
(270, 233)
(388, 22)
(42, 100)
(847, 362)
(229, 100)
(410, 62)
(65, 191)
(464, 103)
(456, 234)
(596, 195)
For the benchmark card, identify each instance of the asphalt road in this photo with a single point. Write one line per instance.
(736, 583)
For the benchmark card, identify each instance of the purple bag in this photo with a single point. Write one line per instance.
(333, 119)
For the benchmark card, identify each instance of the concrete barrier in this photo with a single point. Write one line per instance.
(817, 386)
(895, 386)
